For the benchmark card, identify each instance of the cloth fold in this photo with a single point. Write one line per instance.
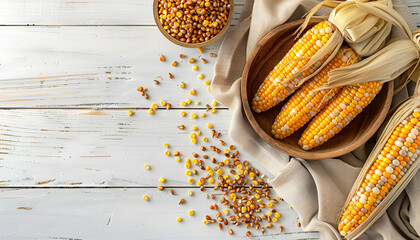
(316, 189)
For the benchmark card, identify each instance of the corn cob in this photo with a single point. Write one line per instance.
(305, 103)
(275, 89)
(395, 158)
(339, 112)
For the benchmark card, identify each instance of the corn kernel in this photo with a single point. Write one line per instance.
(146, 166)
(207, 168)
(240, 171)
(178, 219)
(190, 193)
(269, 213)
(163, 103)
(192, 60)
(226, 212)
(166, 145)
(205, 221)
(255, 182)
(243, 209)
(197, 102)
(209, 125)
(208, 89)
(202, 115)
(192, 91)
(167, 153)
(188, 173)
(193, 136)
(298, 224)
(236, 176)
(162, 179)
(251, 174)
(198, 133)
(188, 101)
(226, 161)
(130, 112)
(193, 115)
(174, 63)
(154, 106)
(200, 76)
(191, 212)
(274, 219)
(194, 141)
(199, 183)
(195, 161)
(182, 85)
(187, 160)
(187, 166)
(226, 176)
(194, 67)
(151, 111)
(190, 180)
(200, 49)
(210, 180)
(205, 139)
(183, 113)
(213, 110)
(194, 128)
(227, 150)
(277, 214)
(146, 198)
(257, 196)
(207, 82)
(270, 204)
(178, 159)
(183, 103)
(214, 103)
(161, 57)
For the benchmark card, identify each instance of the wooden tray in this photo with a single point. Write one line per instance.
(266, 54)
(192, 45)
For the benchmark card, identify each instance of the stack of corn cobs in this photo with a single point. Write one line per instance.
(330, 109)
(334, 89)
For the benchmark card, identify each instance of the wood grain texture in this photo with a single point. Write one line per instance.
(76, 67)
(86, 12)
(80, 147)
(121, 213)
(264, 57)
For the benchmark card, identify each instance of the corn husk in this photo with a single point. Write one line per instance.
(364, 24)
(403, 111)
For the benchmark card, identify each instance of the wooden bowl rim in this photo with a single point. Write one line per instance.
(193, 45)
(276, 143)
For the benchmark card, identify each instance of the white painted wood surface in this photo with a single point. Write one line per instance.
(66, 173)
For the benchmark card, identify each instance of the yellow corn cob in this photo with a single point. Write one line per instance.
(305, 103)
(274, 90)
(395, 158)
(339, 112)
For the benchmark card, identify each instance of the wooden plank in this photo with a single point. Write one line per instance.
(102, 148)
(121, 213)
(81, 67)
(414, 6)
(87, 12)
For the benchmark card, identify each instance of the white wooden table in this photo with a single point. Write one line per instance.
(70, 172)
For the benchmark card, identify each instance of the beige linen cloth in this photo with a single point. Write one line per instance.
(316, 189)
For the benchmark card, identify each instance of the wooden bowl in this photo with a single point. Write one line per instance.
(192, 45)
(266, 54)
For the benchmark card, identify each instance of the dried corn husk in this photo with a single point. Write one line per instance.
(404, 110)
(364, 24)
(385, 65)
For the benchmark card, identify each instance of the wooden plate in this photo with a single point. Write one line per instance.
(266, 54)
(192, 45)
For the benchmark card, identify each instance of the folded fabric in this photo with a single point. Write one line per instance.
(316, 189)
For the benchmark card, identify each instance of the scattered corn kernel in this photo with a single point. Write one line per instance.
(205, 139)
(168, 106)
(195, 161)
(269, 213)
(200, 76)
(183, 113)
(140, 89)
(178, 219)
(190, 180)
(210, 180)
(146, 166)
(174, 63)
(161, 58)
(212, 55)
(270, 204)
(200, 49)
(207, 82)
(213, 110)
(154, 106)
(187, 165)
(198, 133)
(226, 212)
(298, 224)
(227, 150)
(190, 212)
(182, 85)
(202, 115)
(204, 60)
(167, 153)
(178, 159)
(146, 198)
(170, 75)
(274, 219)
(188, 101)
(208, 89)
(277, 214)
(193, 115)
(151, 111)
(194, 67)
(214, 103)
(162, 179)
(130, 112)
(193, 136)
(163, 103)
(199, 183)
(181, 55)
(205, 221)
(192, 91)
(197, 102)
(194, 141)
(194, 128)
(190, 193)
(192, 60)
(183, 103)
(209, 125)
